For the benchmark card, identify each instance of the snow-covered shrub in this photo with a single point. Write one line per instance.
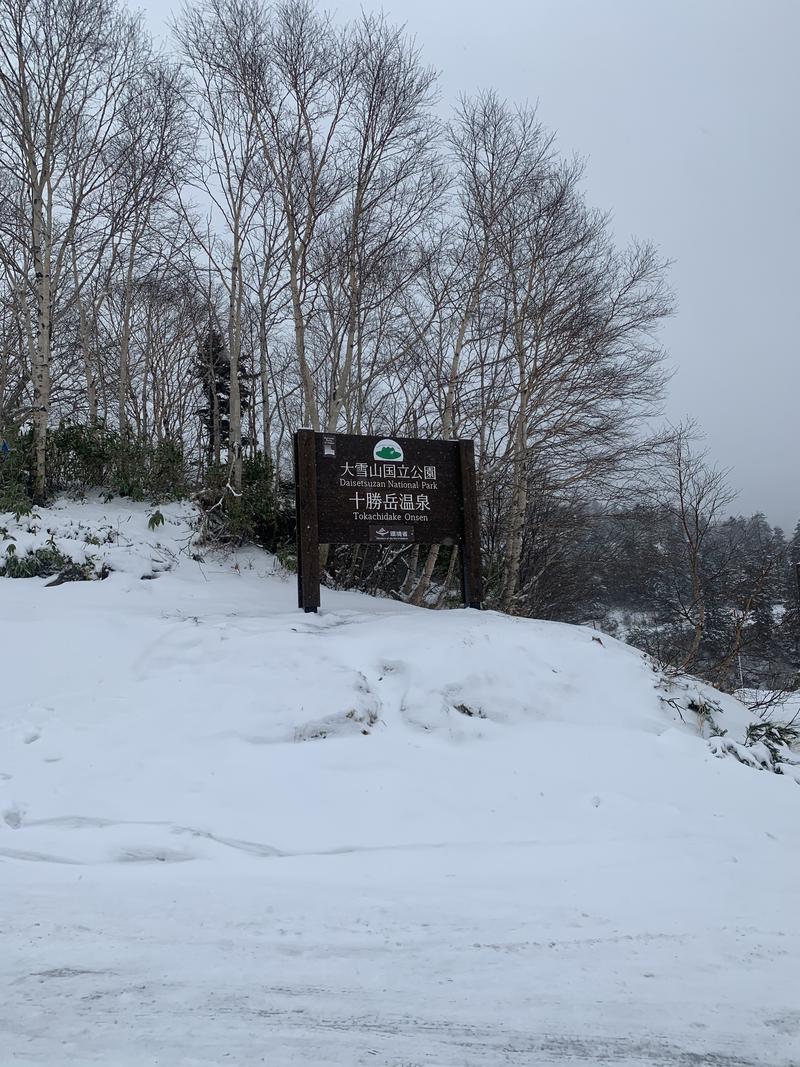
(777, 737)
(86, 457)
(769, 745)
(262, 513)
(705, 711)
(41, 562)
(14, 475)
(47, 561)
(80, 458)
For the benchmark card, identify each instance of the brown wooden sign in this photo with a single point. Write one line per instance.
(353, 489)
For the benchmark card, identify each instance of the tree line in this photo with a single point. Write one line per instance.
(275, 223)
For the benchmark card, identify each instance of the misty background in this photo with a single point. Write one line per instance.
(687, 113)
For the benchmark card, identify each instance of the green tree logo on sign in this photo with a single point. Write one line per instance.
(388, 451)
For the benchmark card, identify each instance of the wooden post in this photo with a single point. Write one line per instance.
(472, 583)
(305, 480)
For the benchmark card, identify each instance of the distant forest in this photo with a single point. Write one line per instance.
(275, 224)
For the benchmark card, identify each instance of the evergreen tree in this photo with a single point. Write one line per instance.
(214, 371)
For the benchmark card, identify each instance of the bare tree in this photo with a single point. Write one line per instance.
(229, 178)
(395, 177)
(293, 69)
(63, 65)
(696, 494)
(149, 152)
(579, 322)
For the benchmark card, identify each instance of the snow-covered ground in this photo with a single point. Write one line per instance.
(234, 833)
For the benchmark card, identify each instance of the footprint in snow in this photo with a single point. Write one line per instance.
(13, 818)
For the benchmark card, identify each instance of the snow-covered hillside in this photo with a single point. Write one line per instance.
(231, 832)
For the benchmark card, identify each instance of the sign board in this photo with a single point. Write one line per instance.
(354, 489)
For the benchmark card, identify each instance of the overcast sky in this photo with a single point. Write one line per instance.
(687, 111)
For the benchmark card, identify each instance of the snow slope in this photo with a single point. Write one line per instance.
(234, 833)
